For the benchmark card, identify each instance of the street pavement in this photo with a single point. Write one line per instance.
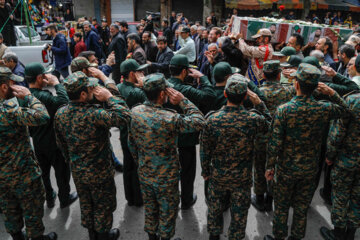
(190, 224)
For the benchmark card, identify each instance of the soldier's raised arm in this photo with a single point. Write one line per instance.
(33, 115)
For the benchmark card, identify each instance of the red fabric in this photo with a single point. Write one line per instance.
(267, 52)
(79, 47)
(72, 32)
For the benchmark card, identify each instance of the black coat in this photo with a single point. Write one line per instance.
(118, 45)
(162, 62)
(234, 56)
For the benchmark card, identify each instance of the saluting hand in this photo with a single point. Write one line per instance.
(325, 89)
(20, 91)
(254, 98)
(51, 80)
(175, 97)
(329, 71)
(102, 94)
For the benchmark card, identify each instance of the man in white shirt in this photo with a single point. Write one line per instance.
(187, 45)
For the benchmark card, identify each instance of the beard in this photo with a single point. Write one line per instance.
(9, 94)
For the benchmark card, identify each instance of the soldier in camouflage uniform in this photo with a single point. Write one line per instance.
(46, 150)
(226, 148)
(132, 93)
(294, 149)
(343, 151)
(153, 143)
(82, 133)
(22, 193)
(275, 95)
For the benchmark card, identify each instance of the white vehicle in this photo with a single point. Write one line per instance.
(22, 35)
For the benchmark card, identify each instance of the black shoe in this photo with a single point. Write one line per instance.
(92, 234)
(18, 236)
(72, 198)
(326, 198)
(188, 206)
(268, 202)
(114, 234)
(350, 234)
(153, 236)
(119, 167)
(50, 200)
(327, 234)
(49, 236)
(258, 202)
(214, 237)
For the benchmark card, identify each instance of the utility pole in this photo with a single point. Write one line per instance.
(26, 11)
(306, 9)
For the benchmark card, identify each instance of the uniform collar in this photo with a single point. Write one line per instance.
(156, 105)
(303, 98)
(233, 108)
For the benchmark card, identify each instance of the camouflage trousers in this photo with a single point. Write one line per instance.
(21, 202)
(296, 192)
(345, 211)
(161, 208)
(260, 185)
(97, 204)
(239, 206)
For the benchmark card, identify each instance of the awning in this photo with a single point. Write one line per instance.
(339, 5)
(263, 4)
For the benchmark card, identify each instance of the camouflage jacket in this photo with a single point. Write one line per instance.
(226, 145)
(297, 130)
(153, 139)
(82, 133)
(44, 136)
(343, 146)
(17, 160)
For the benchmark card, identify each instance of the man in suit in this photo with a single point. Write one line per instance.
(118, 45)
(134, 49)
(163, 57)
(150, 47)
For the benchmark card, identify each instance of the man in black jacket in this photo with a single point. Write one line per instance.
(163, 57)
(149, 46)
(118, 45)
(167, 32)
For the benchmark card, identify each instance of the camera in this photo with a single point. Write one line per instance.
(154, 15)
(47, 46)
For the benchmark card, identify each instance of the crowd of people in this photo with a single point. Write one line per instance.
(264, 118)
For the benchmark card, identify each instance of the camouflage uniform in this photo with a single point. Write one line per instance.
(22, 193)
(258, 55)
(226, 148)
(152, 141)
(82, 133)
(275, 95)
(294, 151)
(344, 151)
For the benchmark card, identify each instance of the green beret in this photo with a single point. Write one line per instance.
(307, 74)
(77, 80)
(34, 69)
(155, 81)
(131, 65)
(223, 69)
(311, 60)
(271, 66)
(180, 60)
(292, 61)
(6, 74)
(286, 51)
(236, 84)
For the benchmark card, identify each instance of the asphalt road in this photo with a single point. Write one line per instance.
(190, 225)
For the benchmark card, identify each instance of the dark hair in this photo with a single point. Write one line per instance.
(161, 39)
(30, 79)
(299, 39)
(147, 32)
(10, 56)
(271, 76)
(269, 37)
(152, 95)
(235, 98)
(86, 54)
(76, 95)
(79, 35)
(94, 20)
(217, 30)
(125, 75)
(307, 89)
(166, 21)
(176, 70)
(53, 27)
(124, 24)
(134, 36)
(138, 27)
(348, 50)
(329, 43)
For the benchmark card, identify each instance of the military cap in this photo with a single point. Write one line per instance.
(180, 60)
(185, 30)
(223, 69)
(34, 69)
(131, 65)
(79, 63)
(286, 51)
(155, 81)
(291, 61)
(357, 63)
(6, 74)
(307, 74)
(77, 80)
(353, 40)
(236, 84)
(311, 60)
(262, 32)
(271, 66)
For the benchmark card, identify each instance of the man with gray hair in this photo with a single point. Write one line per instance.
(12, 62)
(92, 40)
(319, 56)
(212, 58)
(118, 46)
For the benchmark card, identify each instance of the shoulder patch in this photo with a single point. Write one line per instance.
(11, 103)
(210, 113)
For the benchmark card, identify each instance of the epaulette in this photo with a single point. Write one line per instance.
(210, 113)
(351, 93)
(11, 103)
(170, 110)
(253, 110)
